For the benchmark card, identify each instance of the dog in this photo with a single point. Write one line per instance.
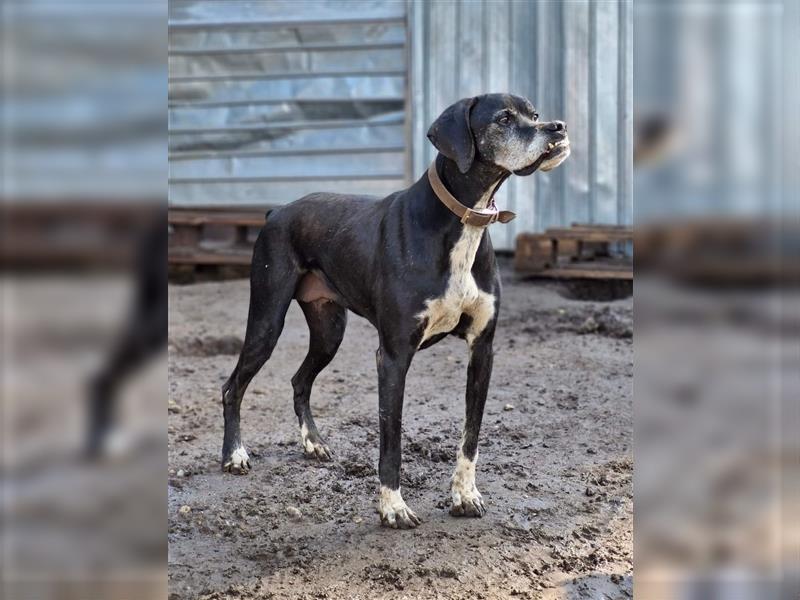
(142, 337)
(409, 265)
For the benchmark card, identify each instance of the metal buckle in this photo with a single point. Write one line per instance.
(479, 215)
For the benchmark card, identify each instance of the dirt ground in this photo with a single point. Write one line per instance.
(555, 466)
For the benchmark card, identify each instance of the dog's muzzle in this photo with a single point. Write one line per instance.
(554, 155)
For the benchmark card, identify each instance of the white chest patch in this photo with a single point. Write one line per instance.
(462, 296)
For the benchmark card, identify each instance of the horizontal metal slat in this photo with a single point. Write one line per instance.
(283, 100)
(276, 49)
(287, 152)
(287, 75)
(274, 178)
(276, 24)
(336, 124)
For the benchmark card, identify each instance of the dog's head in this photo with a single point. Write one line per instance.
(500, 129)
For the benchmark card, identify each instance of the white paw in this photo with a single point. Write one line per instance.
(467, 503)
(117, 444)
(394, 511)
(317, 450)
(314, 449)
(467, 500)
(238, 463)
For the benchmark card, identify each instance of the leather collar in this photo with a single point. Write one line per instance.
(469, 216)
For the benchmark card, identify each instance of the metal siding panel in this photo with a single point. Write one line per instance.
(440, 15)
(226, 14)
(418, 68)
(470, 50)
(592, 112)
(502, 236)
(425, 115)
(215, 193)
(576, 111)
(248, 80)
(549, 83)
(206, 41)
(625, 119)
(444, 45)
(353, 165)
(523, 82)
(559, 71)
(606, 115)
(498, 71)
(569, 59)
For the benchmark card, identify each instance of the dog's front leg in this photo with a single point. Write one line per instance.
(467, 500)
(392, 369)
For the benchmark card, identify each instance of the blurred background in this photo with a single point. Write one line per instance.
(84, 387)
(716, 370)
(269, 100)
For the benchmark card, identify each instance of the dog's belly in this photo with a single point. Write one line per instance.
(312, 288)
(462, 296)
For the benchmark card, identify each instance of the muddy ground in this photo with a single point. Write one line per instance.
(555, 464)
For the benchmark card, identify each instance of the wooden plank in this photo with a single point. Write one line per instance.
(532, 252)
(185, 235)
(584, 270)
(178, 256)
(570, 273)
(590, 236)
(44, 252)
(599, 226)
(538, 254)
(203, 217)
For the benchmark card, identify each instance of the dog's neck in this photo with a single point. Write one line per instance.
(473, 188)
(429, 213)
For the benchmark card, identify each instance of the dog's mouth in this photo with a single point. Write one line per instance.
(554, 150)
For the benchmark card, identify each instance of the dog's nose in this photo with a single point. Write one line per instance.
(556, 126)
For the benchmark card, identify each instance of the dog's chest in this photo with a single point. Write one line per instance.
(462, 294)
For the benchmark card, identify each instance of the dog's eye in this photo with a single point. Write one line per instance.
(535, 116)
(504, 119)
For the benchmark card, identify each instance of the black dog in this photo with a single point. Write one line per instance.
(142, 337)
(407, 264)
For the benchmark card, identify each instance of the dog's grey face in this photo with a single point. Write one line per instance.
(509, 133)
(501, 129)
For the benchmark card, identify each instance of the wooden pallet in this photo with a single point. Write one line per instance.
(74, 233)
(578, 252)
(190, 244)
(720, 251)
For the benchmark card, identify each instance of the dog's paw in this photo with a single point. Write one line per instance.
(237, 463)
(110, 445)
(394, 512)
(467, 504)
(313, 446)
(318, 451)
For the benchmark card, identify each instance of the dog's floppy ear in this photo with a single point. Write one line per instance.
(452, 136)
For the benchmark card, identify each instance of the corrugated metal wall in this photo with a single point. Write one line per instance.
(271, 100)
(572, 59)
(714, 71)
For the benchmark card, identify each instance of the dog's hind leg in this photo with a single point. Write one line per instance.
(272, 282)
(326, 323)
